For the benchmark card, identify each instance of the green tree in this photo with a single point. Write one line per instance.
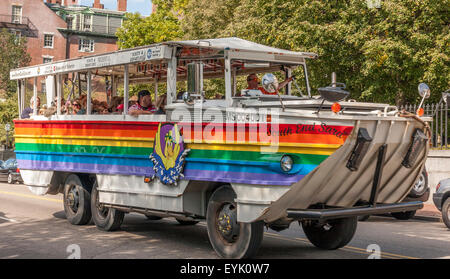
(13, 54)
(162, 25)
(381, 54)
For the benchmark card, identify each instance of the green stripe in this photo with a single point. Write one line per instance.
(194, 153)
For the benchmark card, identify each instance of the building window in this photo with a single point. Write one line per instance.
(48, 40)
(47, 60)
(87, 25)
(17, 14)
(86, 45)
(69, 22)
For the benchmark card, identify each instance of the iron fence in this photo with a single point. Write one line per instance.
(440, 124)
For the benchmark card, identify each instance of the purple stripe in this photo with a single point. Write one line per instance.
(189, 174)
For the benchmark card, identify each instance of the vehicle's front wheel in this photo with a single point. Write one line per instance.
(77, 200)
(332, 234)
(446, 212)
(106, 219)
(228, 237)
(403, 215)
(10, 179)
(186, 223)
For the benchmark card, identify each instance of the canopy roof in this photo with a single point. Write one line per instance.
(150, 62)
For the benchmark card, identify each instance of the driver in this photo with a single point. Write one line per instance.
(253, 83)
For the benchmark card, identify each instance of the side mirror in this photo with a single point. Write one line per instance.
(270, 83)
(424, 90)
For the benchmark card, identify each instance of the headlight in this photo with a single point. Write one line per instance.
(286, 163)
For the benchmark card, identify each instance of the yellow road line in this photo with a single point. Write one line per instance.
(30, 196)
(345, 248)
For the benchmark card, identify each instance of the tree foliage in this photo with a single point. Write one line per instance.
(13, 54)
(380, 53)
(162, 25)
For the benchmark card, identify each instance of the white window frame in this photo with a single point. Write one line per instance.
(87, 23)
(53, 39)
(47, 57)
(16, 15)
(82, 45)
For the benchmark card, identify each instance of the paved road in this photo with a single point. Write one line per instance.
(35, 227)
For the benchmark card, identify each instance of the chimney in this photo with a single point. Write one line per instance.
(122, 5)
(97, 5)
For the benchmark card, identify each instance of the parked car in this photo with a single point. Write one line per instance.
(9, 172)
(441, 199)
(420, 192)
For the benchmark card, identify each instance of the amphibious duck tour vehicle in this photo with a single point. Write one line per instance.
(249, 158)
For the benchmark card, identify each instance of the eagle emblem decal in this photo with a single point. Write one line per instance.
(168, 154)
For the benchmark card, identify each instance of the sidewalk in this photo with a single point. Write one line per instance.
(429, 213)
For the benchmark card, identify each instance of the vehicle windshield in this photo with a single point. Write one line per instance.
(10, 164)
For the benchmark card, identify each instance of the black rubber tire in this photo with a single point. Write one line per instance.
(339, 234)
(10, 179)
(250, 235)
(403, 215)
(153, 217)
(106, 219)
(446, 212)
(363, 218)
(416, 191)
(82, 214)
(186, 223)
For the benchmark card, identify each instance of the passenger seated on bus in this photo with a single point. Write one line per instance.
(143, 105)
(253, 83)
(161, 104)
(27, 112)
(76, 106)
(115, 102)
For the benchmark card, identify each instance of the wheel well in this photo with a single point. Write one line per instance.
(197, 194)
(59, 178)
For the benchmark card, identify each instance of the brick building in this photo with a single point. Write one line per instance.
(62, 29)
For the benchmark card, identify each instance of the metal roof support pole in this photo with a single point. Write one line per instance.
(228, 92)
(172, 78)
(35, 96)
(19, 86)
(289, 85)
(126, 88)
(22, 96)
(156, 89)
(234, 82)
(89, 93)
(58, 94)
(308, 89)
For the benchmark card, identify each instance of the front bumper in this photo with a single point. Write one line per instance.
(336, 213)
(437, 200)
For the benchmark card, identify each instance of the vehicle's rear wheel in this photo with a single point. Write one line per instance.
(403, 215)
(446, 212)
(332, 234)
(77, 200)
(106, 219)
(186, 223)
(10, 179)
(228, 237)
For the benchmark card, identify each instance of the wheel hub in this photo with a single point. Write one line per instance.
(227, 223)
(101, 209)
(73, 199)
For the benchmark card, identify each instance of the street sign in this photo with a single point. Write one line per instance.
(8, 127)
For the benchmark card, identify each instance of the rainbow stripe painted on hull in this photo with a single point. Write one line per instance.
(123, 147)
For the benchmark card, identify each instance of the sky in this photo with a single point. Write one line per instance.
(144, 7)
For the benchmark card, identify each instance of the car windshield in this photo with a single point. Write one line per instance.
(10, 164)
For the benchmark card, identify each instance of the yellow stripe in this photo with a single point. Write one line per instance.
(316, 149)
(30, 196)
(261, 148)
